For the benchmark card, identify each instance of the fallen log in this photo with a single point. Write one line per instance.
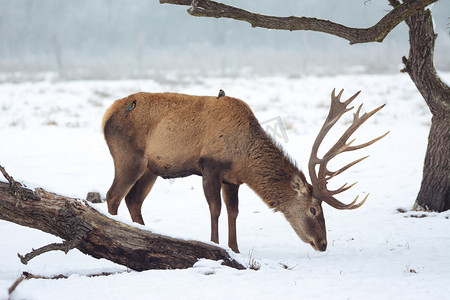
(83, 227)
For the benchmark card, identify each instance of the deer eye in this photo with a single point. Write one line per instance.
(313, 211)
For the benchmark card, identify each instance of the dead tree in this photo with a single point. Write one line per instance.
(83, 227)
(434, 194)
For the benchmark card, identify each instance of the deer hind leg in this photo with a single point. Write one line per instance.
(127, 172)
(211, 187)
(137, 194)
(230, 196)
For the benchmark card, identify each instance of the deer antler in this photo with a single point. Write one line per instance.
(319, 180)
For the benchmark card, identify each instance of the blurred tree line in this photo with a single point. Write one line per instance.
(142, 38)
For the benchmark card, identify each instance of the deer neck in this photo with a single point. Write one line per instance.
(269, 174)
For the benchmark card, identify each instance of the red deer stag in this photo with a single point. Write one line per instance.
(175, 135)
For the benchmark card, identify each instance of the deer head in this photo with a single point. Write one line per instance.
(306, 214)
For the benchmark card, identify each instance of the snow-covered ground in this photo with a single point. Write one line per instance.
(50, 136)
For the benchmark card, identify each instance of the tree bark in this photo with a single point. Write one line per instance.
(434, 192)
(93, 233)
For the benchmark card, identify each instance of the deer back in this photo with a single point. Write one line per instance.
(173, 131)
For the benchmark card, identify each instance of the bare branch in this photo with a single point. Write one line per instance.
(26, 275)
(15, 284)
(64, 246)
(376, 33)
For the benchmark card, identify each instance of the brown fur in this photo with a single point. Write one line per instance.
(175, 135)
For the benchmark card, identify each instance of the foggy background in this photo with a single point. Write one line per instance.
(119, 39)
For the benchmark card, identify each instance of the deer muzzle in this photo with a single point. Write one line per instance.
(320, 245)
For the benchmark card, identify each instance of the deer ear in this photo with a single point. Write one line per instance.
(298, 183)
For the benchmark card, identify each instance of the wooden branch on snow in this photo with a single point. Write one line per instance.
(376, 33)
(26, 275)
(65, 246)
(84, 228)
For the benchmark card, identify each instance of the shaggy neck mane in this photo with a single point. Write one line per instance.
(270, 171)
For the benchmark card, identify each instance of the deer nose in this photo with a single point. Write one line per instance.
(319, 245)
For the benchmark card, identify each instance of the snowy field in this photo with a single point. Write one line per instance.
(50, 136)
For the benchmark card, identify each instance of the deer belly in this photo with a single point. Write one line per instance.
(173, 164)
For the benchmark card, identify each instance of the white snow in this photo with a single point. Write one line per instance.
(50, 136)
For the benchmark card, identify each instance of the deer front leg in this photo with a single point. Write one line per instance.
(230, 196)
(211, 187)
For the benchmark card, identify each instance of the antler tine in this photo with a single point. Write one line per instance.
(342, 188)
(338, 97)
(339, 205)
(360, 120)
(349, 100)
(320, 179)
(357, 122)
(351, 148)
(333, 94)
(333, 174)
(354, 206)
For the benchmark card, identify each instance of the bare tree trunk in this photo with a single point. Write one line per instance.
(93, 233)
(434, 192)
